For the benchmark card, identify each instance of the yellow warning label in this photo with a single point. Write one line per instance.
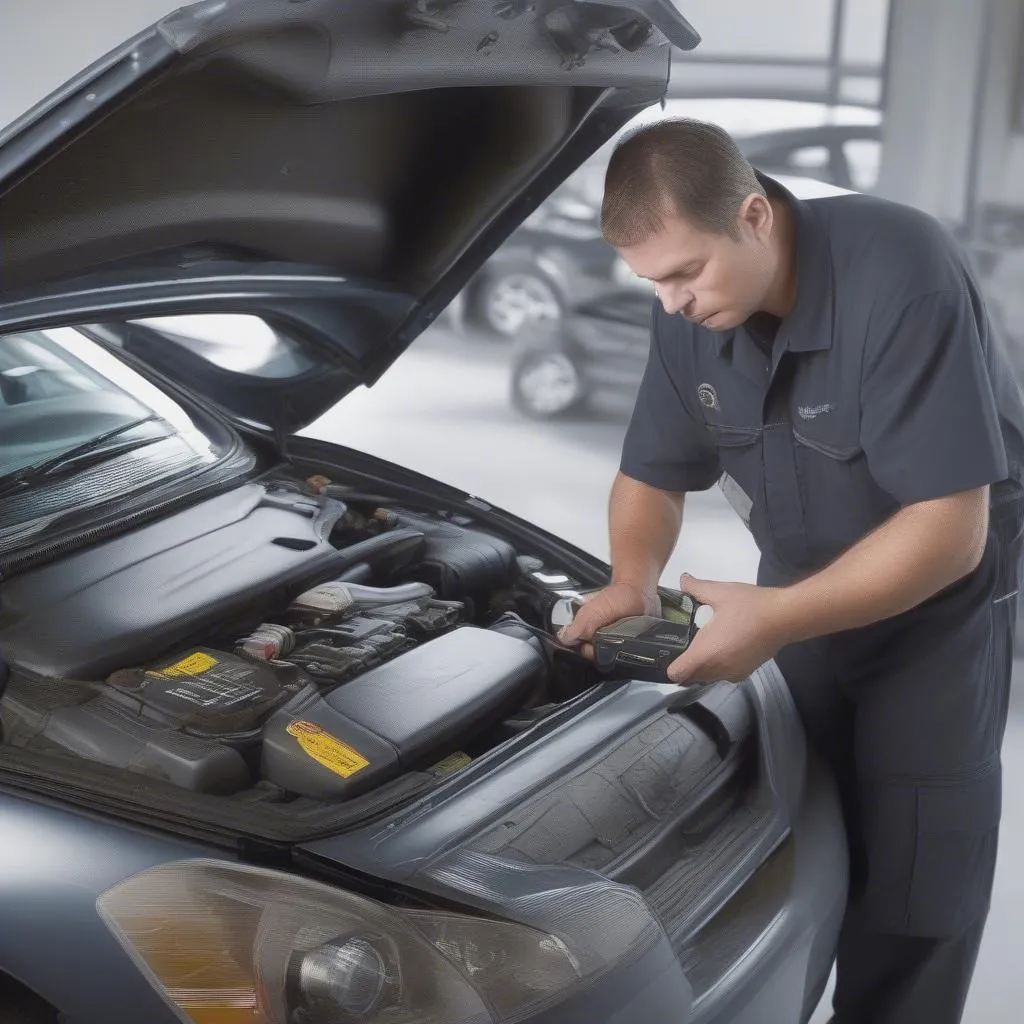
(195, 664)
(452, 763)
(339, 757)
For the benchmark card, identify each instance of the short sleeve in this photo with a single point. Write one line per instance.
(666, 446)
(929, 421)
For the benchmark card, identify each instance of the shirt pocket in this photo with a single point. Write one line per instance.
(841, 501)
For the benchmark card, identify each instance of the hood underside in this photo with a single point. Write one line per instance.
(392, 143)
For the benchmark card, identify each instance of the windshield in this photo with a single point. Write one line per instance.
(83, 436)
(59, 390)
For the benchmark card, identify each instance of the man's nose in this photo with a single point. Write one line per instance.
(673, 298)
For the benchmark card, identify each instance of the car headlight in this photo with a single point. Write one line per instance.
(227, 944)
(349, 975)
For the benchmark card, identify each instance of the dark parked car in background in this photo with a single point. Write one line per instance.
(847, 155)
(557, 258)
(285, 737)
(594, 357)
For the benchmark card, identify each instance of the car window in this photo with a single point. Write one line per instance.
(864, 157)
(806, 161)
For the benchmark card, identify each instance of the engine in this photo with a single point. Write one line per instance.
(402, 661)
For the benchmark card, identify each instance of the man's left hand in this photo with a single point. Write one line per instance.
(745, 632)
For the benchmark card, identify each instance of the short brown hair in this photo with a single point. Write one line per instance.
(678, 167)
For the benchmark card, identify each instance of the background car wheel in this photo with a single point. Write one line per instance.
(546, 384)
(509, 301)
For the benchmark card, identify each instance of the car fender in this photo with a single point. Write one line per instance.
(56, 864)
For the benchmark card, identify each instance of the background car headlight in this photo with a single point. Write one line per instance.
(227, 944)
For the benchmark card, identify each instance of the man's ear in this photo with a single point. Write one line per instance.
(757, 215)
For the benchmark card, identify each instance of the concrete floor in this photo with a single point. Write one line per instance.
(443, 410)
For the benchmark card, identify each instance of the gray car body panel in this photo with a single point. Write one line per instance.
(409, 846)
(55, 865)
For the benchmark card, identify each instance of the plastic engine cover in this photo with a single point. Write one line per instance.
(103, 606)
(205, 691)
(180, 720)
(393, 717)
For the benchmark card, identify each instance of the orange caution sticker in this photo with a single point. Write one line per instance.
(328, 750)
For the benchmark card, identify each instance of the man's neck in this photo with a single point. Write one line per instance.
(781, 295)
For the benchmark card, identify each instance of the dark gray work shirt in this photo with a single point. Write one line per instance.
(884, 386)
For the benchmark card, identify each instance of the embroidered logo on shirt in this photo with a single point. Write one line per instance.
(708, 396)
(808, 412)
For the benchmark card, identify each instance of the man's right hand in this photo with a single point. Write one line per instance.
(603, 607)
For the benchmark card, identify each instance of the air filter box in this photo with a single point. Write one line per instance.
(398, 715)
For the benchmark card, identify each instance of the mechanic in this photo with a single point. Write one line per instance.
(830, 363)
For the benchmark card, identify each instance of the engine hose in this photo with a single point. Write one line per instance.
(367, 597)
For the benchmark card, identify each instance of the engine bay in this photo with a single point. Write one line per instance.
(285, 641)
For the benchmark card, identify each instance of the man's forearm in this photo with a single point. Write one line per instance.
(921, 550)
(644, 524)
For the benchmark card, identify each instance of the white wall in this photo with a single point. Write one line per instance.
(793, 28)
(1002, 151)
(43, 43)
(865, 24)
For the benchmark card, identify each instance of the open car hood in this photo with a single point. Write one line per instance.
(339, 170)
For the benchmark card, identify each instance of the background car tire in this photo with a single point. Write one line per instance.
(509, 299)
(547, 384)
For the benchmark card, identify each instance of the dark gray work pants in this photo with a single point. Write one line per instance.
(910, 715)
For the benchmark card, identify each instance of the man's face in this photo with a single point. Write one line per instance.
(712, 279)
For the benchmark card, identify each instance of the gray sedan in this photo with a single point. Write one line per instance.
(286, 735)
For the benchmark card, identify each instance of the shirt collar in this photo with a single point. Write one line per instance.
(808, 326)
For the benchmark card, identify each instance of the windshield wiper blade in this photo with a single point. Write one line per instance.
(29, 474)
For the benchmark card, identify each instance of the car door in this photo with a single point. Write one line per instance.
(613, 334)
(809, 159)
